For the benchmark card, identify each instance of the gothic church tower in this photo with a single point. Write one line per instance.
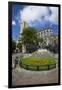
(22, 26)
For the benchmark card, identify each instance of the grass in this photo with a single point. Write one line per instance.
(34, 62)
(38, 61)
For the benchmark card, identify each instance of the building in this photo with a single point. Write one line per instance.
(45, 34)
(22, 26)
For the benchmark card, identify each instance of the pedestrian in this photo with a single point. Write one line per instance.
(16, 62)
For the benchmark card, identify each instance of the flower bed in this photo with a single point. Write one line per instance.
(37, 64)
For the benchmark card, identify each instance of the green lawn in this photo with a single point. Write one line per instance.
(38, 61)
(33, 63)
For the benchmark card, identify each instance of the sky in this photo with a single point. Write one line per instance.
(39, 17)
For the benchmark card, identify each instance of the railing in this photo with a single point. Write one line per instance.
(38, 67)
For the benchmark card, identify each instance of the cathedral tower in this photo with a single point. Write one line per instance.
(22, 26)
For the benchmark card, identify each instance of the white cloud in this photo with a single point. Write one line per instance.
(13, 23)
(39, 13)
(54, 16)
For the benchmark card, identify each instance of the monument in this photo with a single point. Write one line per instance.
(22, 26)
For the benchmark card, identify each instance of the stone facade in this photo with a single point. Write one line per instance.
(23, 25)
(45, 34)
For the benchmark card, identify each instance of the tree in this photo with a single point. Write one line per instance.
(29, 35)
(40, 40)
(29, 38)
(19, 45)
(13, 45)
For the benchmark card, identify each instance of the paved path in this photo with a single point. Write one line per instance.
(25, 77)
(21, 76)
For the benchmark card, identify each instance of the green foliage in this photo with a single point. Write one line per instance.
(29, 39)
(29, 36)
(37, 64)
(38, 61)
(19, 45)
(40, 40)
